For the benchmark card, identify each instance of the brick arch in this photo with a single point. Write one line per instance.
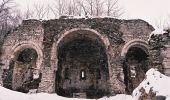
(27, 44)
(135, 43)
(62, 36)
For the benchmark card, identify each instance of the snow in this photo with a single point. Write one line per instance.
(44, 96)
(36, 75)
(83, 17)
(156, 82)
(7, 94)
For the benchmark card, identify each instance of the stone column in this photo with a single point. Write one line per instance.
(155, 59)
(47, 83)
(117, 76)
(166, 60)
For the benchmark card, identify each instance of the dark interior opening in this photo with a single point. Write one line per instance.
(27, 56)
(88, 69)
(135, 67)
(19, 76)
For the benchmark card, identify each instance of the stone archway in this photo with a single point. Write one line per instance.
(24, 64)
(135, 64)
(27, 44)
(82, 61)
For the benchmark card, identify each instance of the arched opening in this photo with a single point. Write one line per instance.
(135, 67)
(82, 67)
(20, 75)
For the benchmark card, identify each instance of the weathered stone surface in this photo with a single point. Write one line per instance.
(159, 52)
(115, 36)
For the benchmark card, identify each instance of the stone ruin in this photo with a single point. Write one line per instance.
(87, 58)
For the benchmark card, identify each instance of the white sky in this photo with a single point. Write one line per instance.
(148, 10)
(151, 11)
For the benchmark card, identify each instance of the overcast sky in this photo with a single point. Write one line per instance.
(149, 10)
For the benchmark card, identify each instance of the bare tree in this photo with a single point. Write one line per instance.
(113, 8)
(59, 7)
(39, 10)
(99, 7)
(91, 6)
(9, 18)
(5, 5)
(71, 7)
(82, 8)
(5, 14)
(48, 11)
(28, 13)
(4, 9)
(162, 23)
(16, 18)
(168, 22)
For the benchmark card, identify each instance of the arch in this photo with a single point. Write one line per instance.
(27, 44)
(135, 43)
(104, 40)
(135, 63)
(90, 39)
(25, 59)
(58, 41)
(24, 70)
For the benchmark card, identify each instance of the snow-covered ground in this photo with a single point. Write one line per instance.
(155, 81)
(6, 94)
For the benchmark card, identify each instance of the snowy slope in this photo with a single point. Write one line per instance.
(155, 81)
(6, 94)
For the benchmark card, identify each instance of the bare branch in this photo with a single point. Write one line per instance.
(113, 8)
(40, 10)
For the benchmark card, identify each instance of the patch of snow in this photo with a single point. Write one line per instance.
(72, 17)
(36, 75)
(118, 97)
(32, 91)
(156, 82)
(44, 96)
(101, 17)
(83, 17)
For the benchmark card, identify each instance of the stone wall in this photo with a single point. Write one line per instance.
(159, 52)
(28, 35)
(46, 37)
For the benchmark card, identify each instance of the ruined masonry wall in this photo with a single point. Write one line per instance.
(28, 35)
(44, 35)
(160, 52)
